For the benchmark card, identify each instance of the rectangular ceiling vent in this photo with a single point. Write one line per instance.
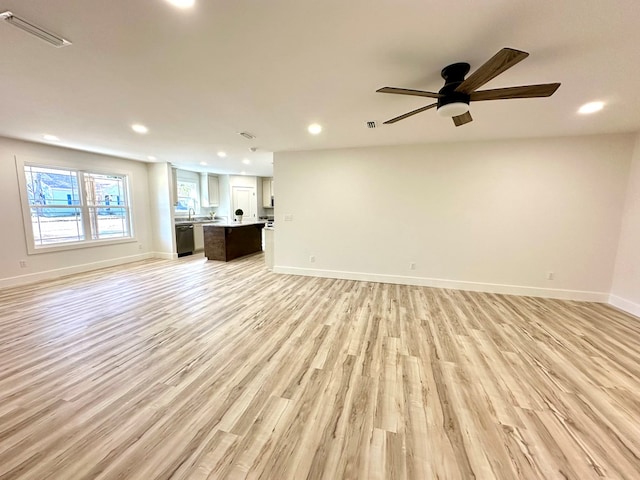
(371, 124)
(34, 30)
(247, 135)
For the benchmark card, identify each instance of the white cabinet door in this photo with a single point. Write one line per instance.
(204, 192)
(267, 192)
(198, 237)
(174, 186)
(214, 191)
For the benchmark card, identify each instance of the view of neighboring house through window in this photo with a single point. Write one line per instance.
(187, 196)
(71, 206)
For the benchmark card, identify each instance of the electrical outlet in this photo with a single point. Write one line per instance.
(23, 264)
(312, 258)
(412, 266)
(140, 247)
(550, 276)
(288, 217)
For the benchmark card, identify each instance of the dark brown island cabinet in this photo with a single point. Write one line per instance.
(229, 241)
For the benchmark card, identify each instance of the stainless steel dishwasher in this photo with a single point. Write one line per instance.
(184, 239)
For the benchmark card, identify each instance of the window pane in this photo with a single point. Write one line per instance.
(187, 196)
(56, 225)
(52, 186)
(110, 223)
(107, 190)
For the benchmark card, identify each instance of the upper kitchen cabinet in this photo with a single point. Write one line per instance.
(209, 190)
(214, 190)
(267, 192)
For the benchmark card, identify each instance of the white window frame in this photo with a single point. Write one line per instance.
(32, 248)
(186, 176)
(196, 207)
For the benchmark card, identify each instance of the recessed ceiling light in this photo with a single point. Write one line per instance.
(182, 3)
(222, 154)
(203, 163)
(139, 128)
(246, 161)
(591, 107)
(314, 129)
(51, 138)
(152, 158)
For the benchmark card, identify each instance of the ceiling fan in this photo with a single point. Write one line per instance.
(454, 97)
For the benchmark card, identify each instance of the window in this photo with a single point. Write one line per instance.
(68, 206)
(187, 196)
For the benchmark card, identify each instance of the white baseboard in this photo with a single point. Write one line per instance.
(61, 272)
(626, 305)
(579, 295)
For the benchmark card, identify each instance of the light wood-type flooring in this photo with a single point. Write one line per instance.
(208, 370)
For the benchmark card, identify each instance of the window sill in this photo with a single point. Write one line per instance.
(33, 250)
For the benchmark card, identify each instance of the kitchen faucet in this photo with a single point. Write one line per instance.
(191, 210)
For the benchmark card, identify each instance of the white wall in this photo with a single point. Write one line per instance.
(13, 244)
(492, 216)
(625, 291)
(161, 210)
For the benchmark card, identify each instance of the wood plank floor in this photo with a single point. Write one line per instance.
(205, 370)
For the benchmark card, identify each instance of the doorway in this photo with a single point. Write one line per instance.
(244, 198)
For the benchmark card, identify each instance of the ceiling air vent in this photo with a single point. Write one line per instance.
(247, 135)
(34, 30)
(371, 124)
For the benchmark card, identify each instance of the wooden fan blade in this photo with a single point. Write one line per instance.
(462, 119)
(406, 115)
(407, 91)
(526, 91)
(501, 61)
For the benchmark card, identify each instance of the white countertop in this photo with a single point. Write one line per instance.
(184, 221)
(235, 224)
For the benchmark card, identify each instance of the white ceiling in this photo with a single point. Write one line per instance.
(197, 77)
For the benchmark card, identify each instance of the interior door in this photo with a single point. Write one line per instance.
(245, 198)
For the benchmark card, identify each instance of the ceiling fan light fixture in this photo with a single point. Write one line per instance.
(453, 109)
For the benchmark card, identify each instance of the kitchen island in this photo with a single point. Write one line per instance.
(228, 241)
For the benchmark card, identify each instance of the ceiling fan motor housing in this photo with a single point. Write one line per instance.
(453, 76)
